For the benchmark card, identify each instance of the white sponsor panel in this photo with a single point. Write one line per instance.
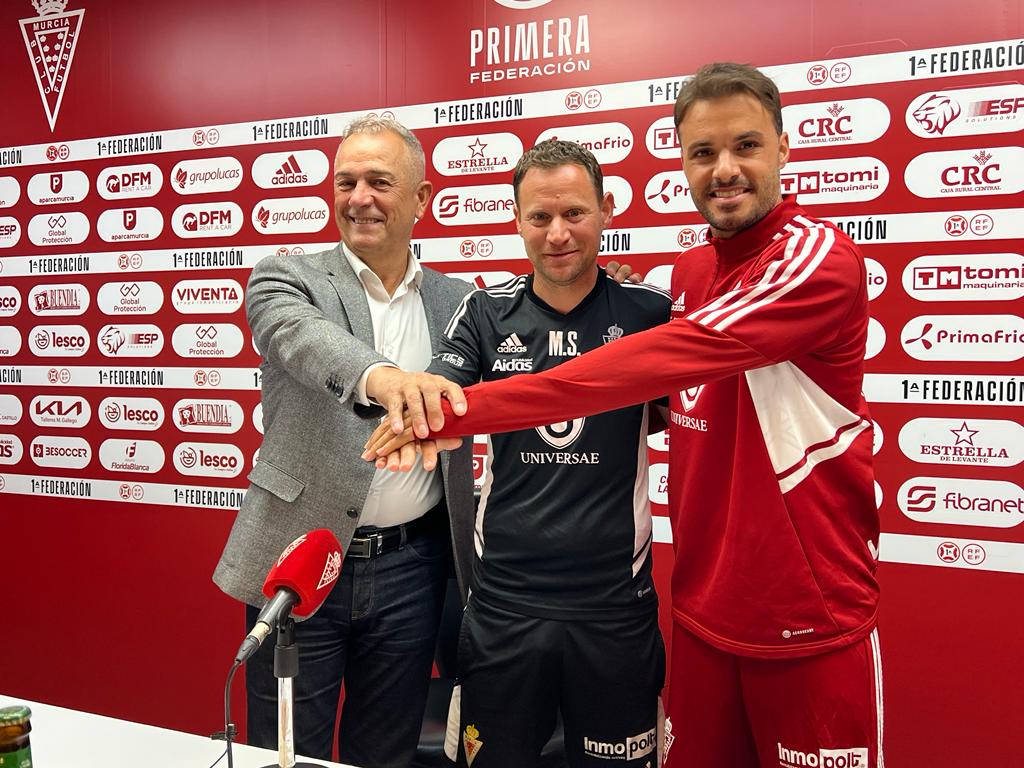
(205, 175)
(609, 142)
(58, 187)
(621, 191)
(962, 501)
(63, 411)
(660, 276)
(973, 554)
(56, 451)
(194, 414)
(301, 168)
(137, 340)
(10, 231)
(657, 487)
(950, 389)
(832, 123)
(481, 204)
(10, 191)
(127, 455)
(123, 490)
(483, 279)
(144, 414)
(124, 182)
(669, 192)
(10, 341)
(965, 277)
(477, 153)
(662, 140)
(658, 441)
(978, 442)
(10, 410)
(58, 299)
(211, 296)
(139, 297)
(877, 278)
(208, 459)
(965, 337)
(876, 339)
(204, 375)
(64, 228)
(842, 180)
(207, 340)
(119, 225)
(10, 301)
(207, 220)
(58, 341)
(967, 111)
(290, 215)
(257, 417)
(11, 449)
(963, 172)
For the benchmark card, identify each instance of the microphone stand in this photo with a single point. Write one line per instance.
(286, 666)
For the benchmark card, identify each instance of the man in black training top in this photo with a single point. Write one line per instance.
(563, 612)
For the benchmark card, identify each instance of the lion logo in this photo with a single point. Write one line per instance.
(937, 112)
(113, 340)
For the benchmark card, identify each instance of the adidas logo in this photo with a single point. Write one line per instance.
(289, 173)
(679, 305)
(511, 345)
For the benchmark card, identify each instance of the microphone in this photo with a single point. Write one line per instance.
(298, 584)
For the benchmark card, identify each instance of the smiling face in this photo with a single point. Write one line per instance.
(732, 155)
(561, 219)
(378, 195)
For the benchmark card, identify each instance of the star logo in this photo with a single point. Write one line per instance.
(964, 434)
(477, 148)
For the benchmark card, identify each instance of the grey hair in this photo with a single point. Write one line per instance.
(552, 153)
(372, 125)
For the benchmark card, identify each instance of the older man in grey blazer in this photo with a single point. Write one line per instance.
(329, 326)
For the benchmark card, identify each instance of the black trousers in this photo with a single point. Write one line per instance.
(376, 631)
(516, 672)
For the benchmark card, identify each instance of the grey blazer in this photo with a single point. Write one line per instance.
(310, 319)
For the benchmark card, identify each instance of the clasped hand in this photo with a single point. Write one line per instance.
(413, 402)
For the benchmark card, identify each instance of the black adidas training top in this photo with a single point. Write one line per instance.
(563, 527)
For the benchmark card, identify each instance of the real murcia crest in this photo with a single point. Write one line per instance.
(614, 334)
(290, 548)
(51, 39)
(332, 569)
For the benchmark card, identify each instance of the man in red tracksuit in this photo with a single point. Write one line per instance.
(774, 653)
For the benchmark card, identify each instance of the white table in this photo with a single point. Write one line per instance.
(66, 738)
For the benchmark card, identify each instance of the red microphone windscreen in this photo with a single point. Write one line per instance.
(309, 566)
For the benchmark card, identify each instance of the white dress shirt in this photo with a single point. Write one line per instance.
(400, 333)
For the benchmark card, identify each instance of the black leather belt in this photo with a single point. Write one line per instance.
(372, 542)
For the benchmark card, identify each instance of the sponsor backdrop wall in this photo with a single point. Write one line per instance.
(151, 155)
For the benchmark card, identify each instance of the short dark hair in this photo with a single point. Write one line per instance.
(726, 78)
(553, 153)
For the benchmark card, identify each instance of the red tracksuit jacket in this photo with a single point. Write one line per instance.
(771, 491)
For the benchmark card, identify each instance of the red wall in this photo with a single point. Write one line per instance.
(110, 607)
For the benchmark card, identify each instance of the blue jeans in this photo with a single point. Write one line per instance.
(377, 631)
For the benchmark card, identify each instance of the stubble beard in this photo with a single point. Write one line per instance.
(766, 197)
